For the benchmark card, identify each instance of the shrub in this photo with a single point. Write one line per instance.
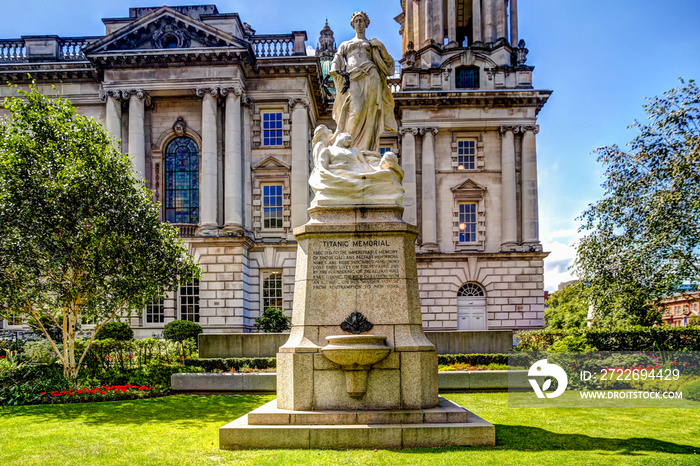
(692, 391)
(24, 384)
(272, 320)
(181, 330)
(39, 352)
(119, 331)
(572, 343)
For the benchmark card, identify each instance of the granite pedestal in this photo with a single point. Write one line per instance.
(356, 275)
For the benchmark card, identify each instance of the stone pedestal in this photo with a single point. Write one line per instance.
(356, 275)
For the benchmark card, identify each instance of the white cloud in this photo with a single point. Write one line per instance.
(561, 256)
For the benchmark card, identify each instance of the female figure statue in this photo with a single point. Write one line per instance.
(364, 106)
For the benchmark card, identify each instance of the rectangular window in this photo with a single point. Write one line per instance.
(467, 78)
(272, 128)
(271, 289)
(467, 222)
(189, 301)
(384, 149)
(272, 206)
(466, 154)
(154, 312)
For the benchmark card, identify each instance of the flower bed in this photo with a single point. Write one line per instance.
(104, 393)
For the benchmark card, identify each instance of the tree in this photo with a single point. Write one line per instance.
(80, 238)
(644, 235)
(568, 308)
(272, 320)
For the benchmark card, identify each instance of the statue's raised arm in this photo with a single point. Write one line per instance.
(364, 106)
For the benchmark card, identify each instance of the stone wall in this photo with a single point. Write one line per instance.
(513, 285)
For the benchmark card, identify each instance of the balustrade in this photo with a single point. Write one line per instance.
(269, 46)
(71, 48)
(12, 50)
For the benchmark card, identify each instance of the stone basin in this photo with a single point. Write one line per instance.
(356, 354)
(356, 351)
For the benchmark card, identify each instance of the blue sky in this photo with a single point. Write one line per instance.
(601, 58)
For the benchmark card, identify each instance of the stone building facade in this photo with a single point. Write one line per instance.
(218, 122)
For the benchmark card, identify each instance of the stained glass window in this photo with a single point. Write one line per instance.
(467, 78)
(182, 181)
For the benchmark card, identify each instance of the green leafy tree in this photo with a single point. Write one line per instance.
(80, 238)
(272, 320)
(644, 235)
(568, 308)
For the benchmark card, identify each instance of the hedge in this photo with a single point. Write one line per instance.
(627, 339)
(236, 364)
(482, 359)
(231, 364)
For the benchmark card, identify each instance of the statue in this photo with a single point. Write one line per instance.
(342, 175)
(364, 106)
(348, 168)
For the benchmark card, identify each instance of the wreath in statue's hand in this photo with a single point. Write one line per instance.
(346, 86)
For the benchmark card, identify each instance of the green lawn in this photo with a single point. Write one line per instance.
(184, 430)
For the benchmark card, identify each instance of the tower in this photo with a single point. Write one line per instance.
(468, 114)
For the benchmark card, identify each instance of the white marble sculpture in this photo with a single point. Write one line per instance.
(348, 169)
(344, 176)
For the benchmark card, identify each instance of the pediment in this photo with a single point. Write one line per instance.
(165, 28)
(468, 186)
(271, 163)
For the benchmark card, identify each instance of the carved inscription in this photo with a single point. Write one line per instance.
(354, 263)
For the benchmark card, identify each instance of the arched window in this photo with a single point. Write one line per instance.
(182, 181)
(471, 289)
(467, 77)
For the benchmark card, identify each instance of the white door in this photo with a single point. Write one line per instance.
(471, 313)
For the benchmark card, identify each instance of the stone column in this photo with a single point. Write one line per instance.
(452, 23)
(509, 215)
(489, 32)
(428, 21)
(137, 136)
(438, 23)
(428, 195)
(247, 103)
(408, 162)
(408, 28)
(113, 113)
(233, 163)
(208, 196)
(530, 215)
(514, 23)
(300, 160)
(501, 19)
(477, 32)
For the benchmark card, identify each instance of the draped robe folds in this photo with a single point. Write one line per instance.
(366, 110)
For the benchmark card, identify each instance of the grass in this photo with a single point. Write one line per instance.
(183, 430)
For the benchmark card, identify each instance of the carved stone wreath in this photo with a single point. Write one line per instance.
(170, 31)
(356, 323)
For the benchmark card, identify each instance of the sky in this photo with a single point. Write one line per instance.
(601, 58)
